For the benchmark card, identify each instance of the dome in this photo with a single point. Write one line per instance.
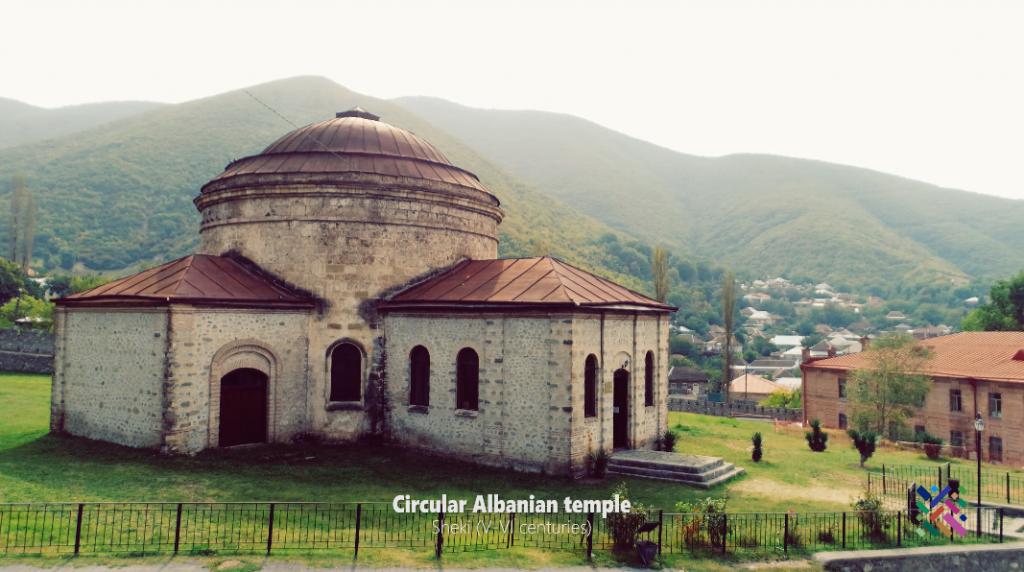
(354, 141)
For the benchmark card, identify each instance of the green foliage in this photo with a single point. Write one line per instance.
(14, 282)
(890, 390)
(784, 399)
(817, 439)
(758, 451)
(623, 525)
(711, 516)
(865, 443)
(26, 306)
(598, 464)
(667, 441)
(1005, 311)
(932, 445)
(869, 512)
(65, 285)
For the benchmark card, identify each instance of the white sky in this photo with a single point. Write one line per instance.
(930, 90)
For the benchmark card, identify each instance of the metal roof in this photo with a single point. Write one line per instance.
(198, 278)
(978, 355)
(521, 282)
(354, 141)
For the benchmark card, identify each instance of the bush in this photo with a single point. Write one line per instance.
(757, 452)
(598, 464)
(932, 444)
(817, 439)
(864, 442)
(667, 442)
(869, 512)
(709, 515)
(623, 526)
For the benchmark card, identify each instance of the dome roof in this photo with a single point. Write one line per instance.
(355, 141)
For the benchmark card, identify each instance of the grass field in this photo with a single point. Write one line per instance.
(36, 466)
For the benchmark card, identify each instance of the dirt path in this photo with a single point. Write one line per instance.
(777, 490)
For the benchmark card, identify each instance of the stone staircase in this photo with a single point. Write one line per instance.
(693, 470)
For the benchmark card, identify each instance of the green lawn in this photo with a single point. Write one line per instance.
(36, 466)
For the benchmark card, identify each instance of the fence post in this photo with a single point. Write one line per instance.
(78, 529)
(440, 535)
(359, 520)
(661, 527)
(844, 530)
(1000, 525)
(1007, 488)
(590, 535)
(177, 529)
(899, 528)
(977, 512)
(511, 523)
(725, 531)
(785, 534)
(883, 479)
(270, 529)
(939, 469)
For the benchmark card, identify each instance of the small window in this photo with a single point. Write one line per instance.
(956, 438)
(842, 421)
(918, 430)
(956, 402)
(995, 405)
(419, 376)
(590, 387)
(346, 373)
(842, 387)
(995, 449)
(649, 379)
(467, 380)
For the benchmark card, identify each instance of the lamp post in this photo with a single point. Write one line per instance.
(979, 428)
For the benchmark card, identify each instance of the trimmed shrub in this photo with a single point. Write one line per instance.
(757, 451)
(817, 439)
(865, 443)
(932, 445)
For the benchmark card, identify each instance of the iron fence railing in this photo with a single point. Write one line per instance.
(267, 527)
(997, 487)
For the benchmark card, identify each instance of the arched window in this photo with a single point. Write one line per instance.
(590, 387)
(649, 379)
(467, 380)
(346, 372)
(419, 376)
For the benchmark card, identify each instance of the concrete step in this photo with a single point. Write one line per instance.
(727, 473)
(693, 470)
(674, 467)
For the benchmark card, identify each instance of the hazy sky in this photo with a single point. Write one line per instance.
(930, 90)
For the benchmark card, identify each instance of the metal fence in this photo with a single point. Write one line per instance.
(266, 527)
(996, 487)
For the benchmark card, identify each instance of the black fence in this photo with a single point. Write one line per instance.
(208, 528)
(996, 487)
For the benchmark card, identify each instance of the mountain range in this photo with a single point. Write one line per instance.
(115, 189)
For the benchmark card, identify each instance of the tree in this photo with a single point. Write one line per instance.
(728, 322)
(864, 442)
(1004, 311)
(757, 452)
(659, 273)
(22, 225)
(817, 439)
(888, 392)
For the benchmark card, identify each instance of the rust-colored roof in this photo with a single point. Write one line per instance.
(753, 383)
(520, 282)
(354, 141)
(198, 278)
(979, 355)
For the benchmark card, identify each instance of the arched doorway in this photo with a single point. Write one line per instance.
(243, 407)
(620, 410)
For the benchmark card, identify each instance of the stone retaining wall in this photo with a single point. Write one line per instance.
(28, 351)
(732, 409)
(987, 557)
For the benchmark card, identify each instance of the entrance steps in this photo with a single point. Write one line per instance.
(694, 470)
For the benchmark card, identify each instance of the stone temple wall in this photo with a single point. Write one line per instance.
(347, 245)
(108, 382)
(523, 418)
(208, 343)
(26, 350)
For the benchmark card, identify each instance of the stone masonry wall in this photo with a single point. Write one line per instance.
(26, 350)
(109, 382)
(614, 339)
(208, 343)
(522, 422)
(347, 245)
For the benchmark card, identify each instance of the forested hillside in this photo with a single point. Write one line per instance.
(22, 123)
(766, 215)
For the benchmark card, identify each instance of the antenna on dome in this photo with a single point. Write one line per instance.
(358, 112)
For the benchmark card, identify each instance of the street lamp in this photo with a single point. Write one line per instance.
(979, 428)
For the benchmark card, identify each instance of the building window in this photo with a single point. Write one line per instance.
(995, 449)
(918, 431)
(842, 387)
(995, 405)
(956, 402)
(649, 379)
(467, 380)
(842, 421)
(419, 376)
(956, 438)
(590, 387)
(346, 372)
